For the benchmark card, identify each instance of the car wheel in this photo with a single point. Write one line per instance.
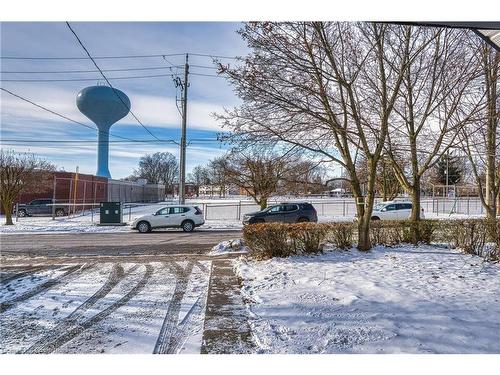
(143, 227)
(60, 212)
(374, 218)
(187, 226)
(21, 213)
(302, 220)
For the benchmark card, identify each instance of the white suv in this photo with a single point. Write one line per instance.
(393, 211)
(178, 216)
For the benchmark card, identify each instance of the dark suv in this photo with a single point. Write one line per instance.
(283, 212)
(40, 207)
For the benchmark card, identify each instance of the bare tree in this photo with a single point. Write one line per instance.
(436, 100)
(480, 140)
(329, 88)
(260, 170)
(159, 168)
(304, 178)
(199, 176)
(21, 173)
(386, 184)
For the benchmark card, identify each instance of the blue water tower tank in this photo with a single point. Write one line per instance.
(104, 106)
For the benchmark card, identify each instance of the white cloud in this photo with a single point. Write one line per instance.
(158, 111)
(152, 110)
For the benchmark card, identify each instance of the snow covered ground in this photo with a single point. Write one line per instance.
(404, 299)
(105, 308)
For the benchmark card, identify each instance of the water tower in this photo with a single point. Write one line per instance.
(104, 106)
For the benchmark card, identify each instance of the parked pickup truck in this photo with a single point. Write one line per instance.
(40, 207)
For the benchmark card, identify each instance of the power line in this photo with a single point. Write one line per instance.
(117, 57)
(207, 75)
(85, 141)
(203, 66)
(109, 83)
(98, 78)
(89, 70)
(215, 56)
(84, 58)
(60, 115)
(85, 79)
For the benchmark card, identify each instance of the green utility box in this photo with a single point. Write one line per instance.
(111, 213)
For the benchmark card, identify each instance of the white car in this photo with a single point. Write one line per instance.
(175, 216)
(392, 210)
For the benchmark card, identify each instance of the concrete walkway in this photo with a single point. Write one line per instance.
(226, 328)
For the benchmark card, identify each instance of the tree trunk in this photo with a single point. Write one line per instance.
(498, 203)
(7, 207)
(415, 212)
(262, 203)
(364, 241)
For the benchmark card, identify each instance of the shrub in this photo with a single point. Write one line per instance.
(307, 238)
(470, 235)
(281, 240)
(494, 237)
(426, 230)
(388, 233)
(268, 240)
(341, 235)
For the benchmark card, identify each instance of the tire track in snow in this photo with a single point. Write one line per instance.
(72, 271)
(6, 280)
(196, 308)
(78, 328)
(67, 324)
(167, 339)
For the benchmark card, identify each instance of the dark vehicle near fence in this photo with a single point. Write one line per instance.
(283, 212)
(40, 207)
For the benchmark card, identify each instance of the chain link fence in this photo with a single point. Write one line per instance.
(345, 207)
(235, 210)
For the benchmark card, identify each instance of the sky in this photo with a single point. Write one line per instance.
(152, 99)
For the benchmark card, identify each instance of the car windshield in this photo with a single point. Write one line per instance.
(268, 208)
(379, 206)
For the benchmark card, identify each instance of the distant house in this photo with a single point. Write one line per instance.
(338, 193)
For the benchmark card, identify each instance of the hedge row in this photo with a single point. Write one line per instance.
(473, 236)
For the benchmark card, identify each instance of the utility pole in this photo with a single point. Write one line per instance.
(182, 172)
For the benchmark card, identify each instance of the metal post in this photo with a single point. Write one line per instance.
(129, 212)
(54, 198)
(447, 171)
(17, 211)
(74, 191)
(95, 197)
(69, 198)
(84, 195)
(182, 172)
